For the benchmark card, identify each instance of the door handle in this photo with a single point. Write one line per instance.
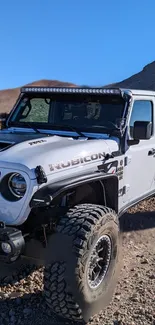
(151, 152)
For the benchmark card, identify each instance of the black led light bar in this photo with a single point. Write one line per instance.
(108, 91)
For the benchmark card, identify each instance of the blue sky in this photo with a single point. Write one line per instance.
(84, 41)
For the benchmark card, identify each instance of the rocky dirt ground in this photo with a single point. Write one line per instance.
(21, 299)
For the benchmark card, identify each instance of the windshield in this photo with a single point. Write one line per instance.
(86, 113)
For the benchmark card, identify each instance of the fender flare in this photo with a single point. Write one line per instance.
(46, 194)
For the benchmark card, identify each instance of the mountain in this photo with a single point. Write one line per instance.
(8, 97)
(144, 79)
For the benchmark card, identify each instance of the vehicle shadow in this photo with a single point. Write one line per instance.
(30, 309)
(20, 307)
(137, 221)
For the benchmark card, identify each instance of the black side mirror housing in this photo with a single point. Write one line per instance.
(142, 130)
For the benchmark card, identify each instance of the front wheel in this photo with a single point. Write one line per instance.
(81, 277)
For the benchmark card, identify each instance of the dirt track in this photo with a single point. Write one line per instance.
(21, 300)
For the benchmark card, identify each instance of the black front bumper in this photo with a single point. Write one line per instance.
(12, 239)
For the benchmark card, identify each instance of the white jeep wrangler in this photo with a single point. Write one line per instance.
(72, 160)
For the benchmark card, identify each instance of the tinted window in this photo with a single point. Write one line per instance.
(34, 110)
(84, 112)
(142, 111)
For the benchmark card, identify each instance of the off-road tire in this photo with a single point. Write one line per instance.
(65, 284)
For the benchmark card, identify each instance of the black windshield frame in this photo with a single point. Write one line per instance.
(69, 98)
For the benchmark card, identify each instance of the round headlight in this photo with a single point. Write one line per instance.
(17, 185)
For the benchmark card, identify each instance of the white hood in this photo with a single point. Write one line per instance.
(51, 150)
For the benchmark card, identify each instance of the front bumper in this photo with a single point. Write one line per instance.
(12, 243)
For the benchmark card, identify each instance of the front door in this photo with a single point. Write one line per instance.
(139, 177)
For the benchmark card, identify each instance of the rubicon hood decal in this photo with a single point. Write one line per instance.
(77, 161)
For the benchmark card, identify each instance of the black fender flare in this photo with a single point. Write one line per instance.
(46, 194)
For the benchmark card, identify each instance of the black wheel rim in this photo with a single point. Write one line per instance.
(99, 261)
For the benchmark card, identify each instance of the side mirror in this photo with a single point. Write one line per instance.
(142, 130)
(3, 118)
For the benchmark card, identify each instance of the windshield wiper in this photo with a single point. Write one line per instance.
(50, 126)
(72, 128)
(14, 123)
(109, 131)
(114, 126)
(32, 127)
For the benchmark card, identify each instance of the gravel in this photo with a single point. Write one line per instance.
(21, 294)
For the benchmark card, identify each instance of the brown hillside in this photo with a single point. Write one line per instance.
(8, 97)
(144, 79)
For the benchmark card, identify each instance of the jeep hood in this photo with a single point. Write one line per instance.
(32, 149)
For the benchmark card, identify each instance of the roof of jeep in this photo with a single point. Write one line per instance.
(87, 90)
(139, 91)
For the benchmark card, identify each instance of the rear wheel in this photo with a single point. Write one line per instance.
(84, 257)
